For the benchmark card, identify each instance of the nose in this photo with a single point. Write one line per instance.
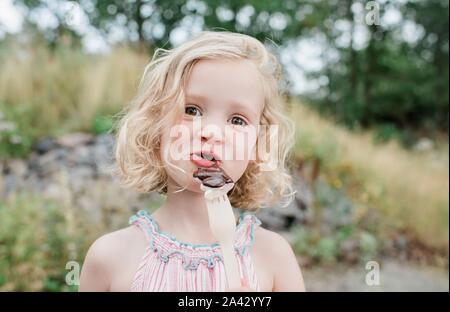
(212, 134)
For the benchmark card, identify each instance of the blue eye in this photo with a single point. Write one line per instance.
(191, 110)
(238, 121)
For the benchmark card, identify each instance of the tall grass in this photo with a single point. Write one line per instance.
(409, 188)
(51, 92)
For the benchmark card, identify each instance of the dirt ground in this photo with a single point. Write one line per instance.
(394, 276)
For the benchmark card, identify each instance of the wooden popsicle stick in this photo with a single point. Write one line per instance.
(231, 266)
(223, 227)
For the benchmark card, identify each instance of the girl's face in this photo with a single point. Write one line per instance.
(223, 104)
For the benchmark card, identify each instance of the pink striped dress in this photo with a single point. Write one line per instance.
(171, 265)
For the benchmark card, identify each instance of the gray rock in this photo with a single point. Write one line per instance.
(299, 210)
(17, 167)
(80, 178)
(48, 163)
(44, 145)
(423, 145)
(102, 152)
(81, 156)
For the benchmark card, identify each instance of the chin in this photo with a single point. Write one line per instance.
(190, 185)
(194, 187)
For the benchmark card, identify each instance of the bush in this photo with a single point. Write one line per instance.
(35, 245)
(102, 124)
(16, 134)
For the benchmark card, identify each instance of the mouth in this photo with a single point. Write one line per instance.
(205, 159)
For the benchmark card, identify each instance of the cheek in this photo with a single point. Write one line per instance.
(244, 151)
(237, 169)
(175, 142)
(244, 148)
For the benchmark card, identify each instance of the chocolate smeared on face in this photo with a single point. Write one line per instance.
(213, 176)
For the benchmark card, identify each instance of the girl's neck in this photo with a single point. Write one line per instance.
(184, 215)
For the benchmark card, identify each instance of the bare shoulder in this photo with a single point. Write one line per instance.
(287, 275)
(270, 242)
(112, 244)
(105, 255)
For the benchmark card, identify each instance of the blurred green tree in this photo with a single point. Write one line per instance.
(391, 80)
(61, 31)
(151, 22)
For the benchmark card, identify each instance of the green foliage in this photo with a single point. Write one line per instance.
(171, 14)
(102, 124)
(323, 148)
(368, 246)
(385, 132)
(16, 134)
(34, 245)
(389, 83)
(326, 250)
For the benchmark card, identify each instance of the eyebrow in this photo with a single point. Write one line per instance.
(234, 103)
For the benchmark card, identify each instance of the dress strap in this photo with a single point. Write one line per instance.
(144, 223)
(245, 236)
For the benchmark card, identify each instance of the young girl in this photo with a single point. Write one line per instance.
(229, 83)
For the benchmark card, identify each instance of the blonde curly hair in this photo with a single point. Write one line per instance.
(160, 98)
